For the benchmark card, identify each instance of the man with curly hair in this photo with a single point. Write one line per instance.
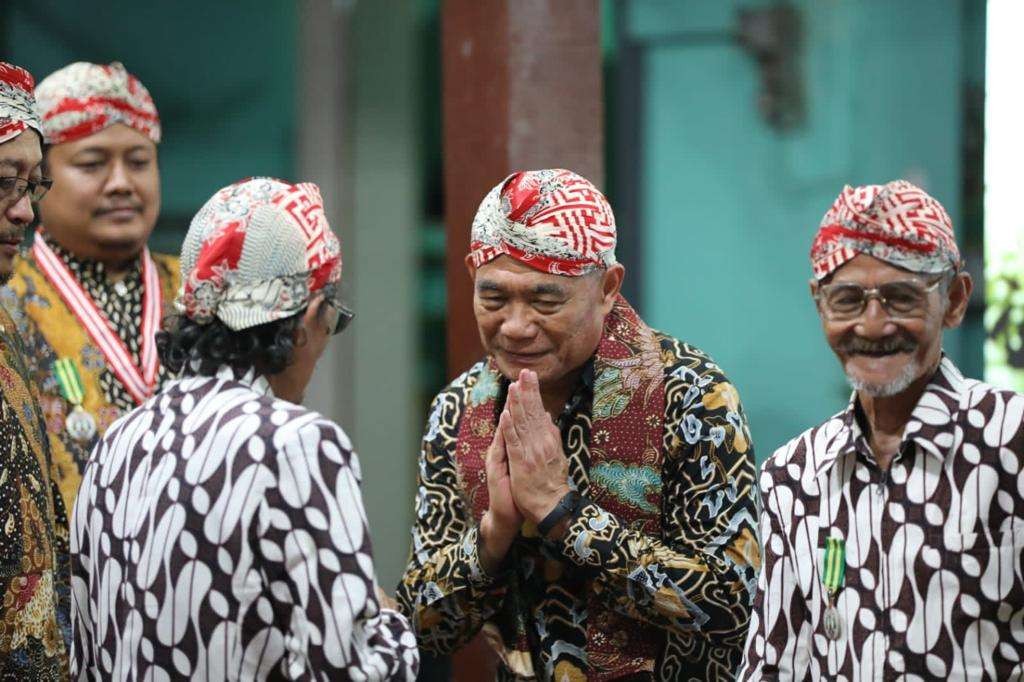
(219, 532)
(586, 490)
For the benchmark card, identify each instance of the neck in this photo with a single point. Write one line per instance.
(116, 266)
(886, 417)
(556, 394)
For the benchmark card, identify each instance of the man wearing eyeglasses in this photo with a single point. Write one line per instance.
(88, 296)
(220, 533)
(34, 622)
(893, 532)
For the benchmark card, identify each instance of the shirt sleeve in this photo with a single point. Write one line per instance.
(314, 546)
(777, 631)
(444, 589)
(697, 580)
(83, 651)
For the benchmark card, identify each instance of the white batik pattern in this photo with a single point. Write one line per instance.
(219, 534)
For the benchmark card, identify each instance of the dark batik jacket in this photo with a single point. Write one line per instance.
(665, 598)
(33, 530)
(933, 582)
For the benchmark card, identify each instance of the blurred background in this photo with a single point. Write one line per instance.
(721, 132)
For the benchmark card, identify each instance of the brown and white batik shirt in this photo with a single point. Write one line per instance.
(934, 572)
(219, 534)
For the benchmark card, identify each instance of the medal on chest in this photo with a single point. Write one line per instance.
(833, 573)
(79, 424)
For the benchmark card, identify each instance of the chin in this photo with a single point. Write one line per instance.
(883, 384)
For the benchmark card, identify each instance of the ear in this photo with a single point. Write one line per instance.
(813, 285)
(611, 285)
(310, 322)
(958, 296)
(470, 267)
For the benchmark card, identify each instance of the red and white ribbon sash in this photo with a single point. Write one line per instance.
(139, 383)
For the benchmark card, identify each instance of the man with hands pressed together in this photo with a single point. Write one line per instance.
(585, 491)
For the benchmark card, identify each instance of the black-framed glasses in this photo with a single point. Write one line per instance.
(844, 301)
(13, 188)
(338, 317)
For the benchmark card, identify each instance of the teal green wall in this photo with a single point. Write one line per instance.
(729, 206)
(222, 75)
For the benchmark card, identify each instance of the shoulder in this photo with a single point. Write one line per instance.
(168, 268)
(791, 461)
(26, 273)
(476, 385)
(693, 379)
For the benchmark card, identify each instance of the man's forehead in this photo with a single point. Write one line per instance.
(507, 273)
(22, 154)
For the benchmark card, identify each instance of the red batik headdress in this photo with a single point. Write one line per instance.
(256, 252)
(552, 220)
(83, 98)
(17, 104)
(896, 222)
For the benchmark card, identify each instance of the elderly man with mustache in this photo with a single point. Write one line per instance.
(88, 296)
(893, 532)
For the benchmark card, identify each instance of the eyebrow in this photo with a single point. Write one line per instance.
(547, 289)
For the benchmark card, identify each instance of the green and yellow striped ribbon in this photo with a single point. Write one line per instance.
(69, 380)
(834, 568)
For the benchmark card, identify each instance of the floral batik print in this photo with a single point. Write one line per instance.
(661, 588)
(933, 585)
(34, 621)
(220, 535)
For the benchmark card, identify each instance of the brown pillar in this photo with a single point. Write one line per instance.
(522, 90)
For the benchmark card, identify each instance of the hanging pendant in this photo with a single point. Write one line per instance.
(833, 623)
(80, 425)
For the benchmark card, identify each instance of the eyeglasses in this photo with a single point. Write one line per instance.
(12, 188)
(337, 316)
(844, 301)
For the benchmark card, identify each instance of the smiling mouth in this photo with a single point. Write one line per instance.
(881, 353)
(526, 357)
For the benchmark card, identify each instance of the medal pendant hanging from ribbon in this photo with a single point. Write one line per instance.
(79, 424)
(833, 573)
(140, 382)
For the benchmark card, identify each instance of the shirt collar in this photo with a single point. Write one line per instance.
(931, 425)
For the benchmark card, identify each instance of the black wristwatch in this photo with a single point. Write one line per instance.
(567, 505)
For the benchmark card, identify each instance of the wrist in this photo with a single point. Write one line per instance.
(560, 515)
(544, 508)
(494, 542)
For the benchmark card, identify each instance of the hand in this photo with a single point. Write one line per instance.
(537, 464)
(502, 520)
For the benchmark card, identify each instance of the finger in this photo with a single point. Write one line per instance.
(513, 444)
(514, 405)
(530, 398)
(497, 458)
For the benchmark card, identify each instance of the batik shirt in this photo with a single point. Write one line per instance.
(687, 592)
(34, 622)
(51, 332)
(220, 535)
(933, 585)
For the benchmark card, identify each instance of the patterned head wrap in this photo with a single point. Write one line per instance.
(256, 252)
(82, 99)
(17, 105)
(898, 223)
(552, 220)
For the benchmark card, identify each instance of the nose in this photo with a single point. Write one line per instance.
(518, 325)
(874, 322)
(119, 181)
(20, 212)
